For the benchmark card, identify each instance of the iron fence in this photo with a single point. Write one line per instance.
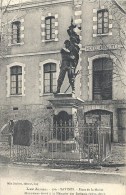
(66, 141)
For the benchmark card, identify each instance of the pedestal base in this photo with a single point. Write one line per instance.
(63, 145)
(64, 149)
(63, 156)
(62, 100)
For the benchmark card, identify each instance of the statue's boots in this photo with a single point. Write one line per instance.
(73, 86)
(58, 89)
(73, 89)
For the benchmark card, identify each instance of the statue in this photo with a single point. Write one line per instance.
(70, 57)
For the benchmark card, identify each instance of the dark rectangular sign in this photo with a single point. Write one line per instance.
(22, 133)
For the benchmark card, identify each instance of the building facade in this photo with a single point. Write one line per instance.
(30, 62)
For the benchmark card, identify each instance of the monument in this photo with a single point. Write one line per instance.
(63, 143)
(70, 57)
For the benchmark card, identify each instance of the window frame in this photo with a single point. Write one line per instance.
(8, 76)
(51, 28)
(17, 80)
(51, 77)
(102, 12)
(16, 32)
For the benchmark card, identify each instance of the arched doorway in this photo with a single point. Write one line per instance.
(62, 123)
(103, 117)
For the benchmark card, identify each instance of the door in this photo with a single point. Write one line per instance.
(103, 117)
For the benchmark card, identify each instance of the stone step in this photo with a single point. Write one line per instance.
(4, 141)
(4, 149)
(4, 144)
(4, 138)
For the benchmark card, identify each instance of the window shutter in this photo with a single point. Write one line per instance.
(22, 35)
(21, 32)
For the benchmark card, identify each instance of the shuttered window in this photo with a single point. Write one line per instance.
(16, 28)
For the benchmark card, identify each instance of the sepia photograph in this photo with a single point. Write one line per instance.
(62, 97)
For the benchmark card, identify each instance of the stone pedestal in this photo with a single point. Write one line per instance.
(63, 143)
(65, 102)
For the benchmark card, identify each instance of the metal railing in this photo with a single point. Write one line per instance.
(67, 142)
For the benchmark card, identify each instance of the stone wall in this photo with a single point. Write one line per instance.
(39, 115)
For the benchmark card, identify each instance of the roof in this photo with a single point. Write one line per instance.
(121, 4)
(29, 3)
(13, 2)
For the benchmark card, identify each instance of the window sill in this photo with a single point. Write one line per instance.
(16, 44)
(16, 95)
(105, 34)
(101, 35)
(50, 40)
(47, 94)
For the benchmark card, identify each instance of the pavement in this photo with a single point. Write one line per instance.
(114, 164)
(35, 173)
(31, 180)
(44, 179)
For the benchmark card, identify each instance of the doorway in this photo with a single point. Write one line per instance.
(103, 117)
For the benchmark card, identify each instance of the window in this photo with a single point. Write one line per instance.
(102, 79)
(102, 21)
(50, 78)
(16, 32)
(50, 28)
(16, 80)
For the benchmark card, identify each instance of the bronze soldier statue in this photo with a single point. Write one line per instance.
(70, 57)
(66, 66)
